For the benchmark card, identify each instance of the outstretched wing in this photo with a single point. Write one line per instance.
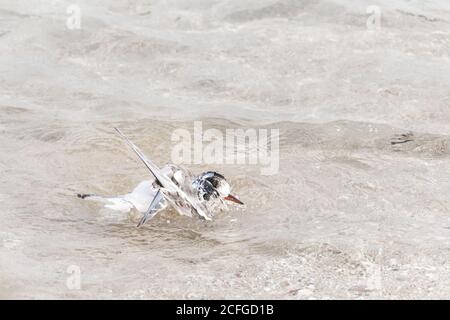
(165, 181)
(160, 177)
(152, 209)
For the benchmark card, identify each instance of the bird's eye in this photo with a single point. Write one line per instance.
(212, 193)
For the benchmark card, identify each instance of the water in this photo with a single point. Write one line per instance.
(350, 214)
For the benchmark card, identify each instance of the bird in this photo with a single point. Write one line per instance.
(173, 186)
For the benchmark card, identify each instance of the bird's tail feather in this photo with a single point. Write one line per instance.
(114, 203)
(85, 195)
(94, 197)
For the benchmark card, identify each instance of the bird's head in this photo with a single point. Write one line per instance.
(211, 185)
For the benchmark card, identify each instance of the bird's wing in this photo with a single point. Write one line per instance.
(159, 176)
(152, 209)
(165, 181)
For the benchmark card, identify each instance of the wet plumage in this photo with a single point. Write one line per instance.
(200, 195)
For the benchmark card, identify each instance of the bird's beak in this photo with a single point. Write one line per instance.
(233, 199)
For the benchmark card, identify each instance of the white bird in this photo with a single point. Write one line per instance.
(200, 195)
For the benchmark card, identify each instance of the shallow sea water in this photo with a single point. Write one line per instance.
(350, 214)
